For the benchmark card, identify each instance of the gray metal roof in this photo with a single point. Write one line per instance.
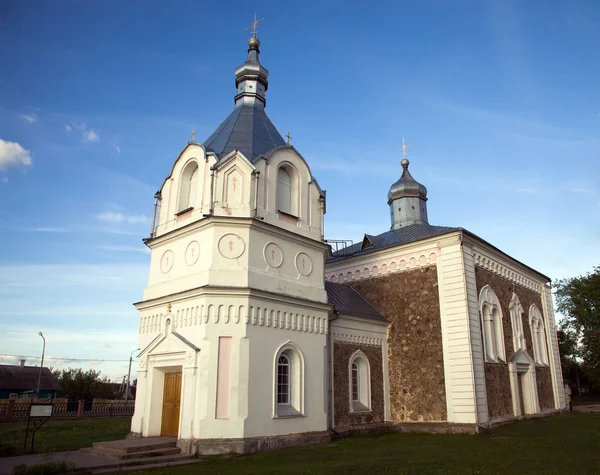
(24, 378)
(247, 129)
(348, 301)
(394, 237)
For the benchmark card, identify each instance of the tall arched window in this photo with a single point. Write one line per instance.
(359, 382)
(283, 379)
(355, 383)
(188, 187)
(516, 319)
(538, 336)
(491, 323)
(284, 190)
(289, 382)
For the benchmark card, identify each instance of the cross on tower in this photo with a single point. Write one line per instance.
(289, 137)
(403, 148)
(254, 25)
(193, 134)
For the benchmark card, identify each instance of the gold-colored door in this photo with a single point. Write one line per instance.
(171, 405)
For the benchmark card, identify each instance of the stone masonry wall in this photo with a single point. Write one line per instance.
(497, 383)
(544, 387)
(410, 301)
(504, 290)
(341, 389)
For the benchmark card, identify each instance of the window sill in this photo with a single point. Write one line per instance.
(359, 408)
(183, 211)
(288, 215)
(285, 411)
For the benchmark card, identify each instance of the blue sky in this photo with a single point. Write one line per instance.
(500, 101)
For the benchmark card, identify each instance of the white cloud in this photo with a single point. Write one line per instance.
(90, 136)
(4, 179)
(87, 134)
(116, 147)
(113, 217)
(13, 155)
(29, 118)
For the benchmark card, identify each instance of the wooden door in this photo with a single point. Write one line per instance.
(171, 405)
(520, 377)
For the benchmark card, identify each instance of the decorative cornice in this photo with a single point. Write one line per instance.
(359, 339)
(504, 270)
(209, 314)
(382, 266)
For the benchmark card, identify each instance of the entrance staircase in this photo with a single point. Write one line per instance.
(138, 454)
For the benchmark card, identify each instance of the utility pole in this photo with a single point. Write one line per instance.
(129, 375)
(37, 393)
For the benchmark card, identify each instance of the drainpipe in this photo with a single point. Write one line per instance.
(212, 188)
(157, 200)
(330, 374)
(256, 178)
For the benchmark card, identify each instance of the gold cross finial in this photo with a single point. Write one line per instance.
(193, 134)
(403, 148)
(254, 25)
(289, 137)
(169, 307)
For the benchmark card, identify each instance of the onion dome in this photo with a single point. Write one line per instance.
(251, 72)
(407, 186)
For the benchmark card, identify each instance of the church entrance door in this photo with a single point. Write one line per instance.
(521, 398)
(171, 405)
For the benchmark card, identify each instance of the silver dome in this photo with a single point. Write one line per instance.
(406, 186)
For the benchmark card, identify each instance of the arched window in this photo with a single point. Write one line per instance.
(516, 319)
(287, 190)
(538, 336)
(491, 323)
(355, 383)
(289, 382)
(283, 379)
(188, 187)
(359, 382)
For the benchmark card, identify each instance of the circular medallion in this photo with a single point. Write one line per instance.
(166, 261)
(303, 263)
(231, 246)
(192, 253)
(273, 254)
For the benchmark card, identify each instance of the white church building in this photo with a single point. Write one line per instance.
(255, 335)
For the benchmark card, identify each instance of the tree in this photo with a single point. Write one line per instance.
(578, 299)
(76, 384)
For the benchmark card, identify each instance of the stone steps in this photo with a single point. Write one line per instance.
(144, 447)
(136, 454)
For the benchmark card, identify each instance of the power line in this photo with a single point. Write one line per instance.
(98, 360)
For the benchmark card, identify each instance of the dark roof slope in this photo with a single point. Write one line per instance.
(247, 129)
(23, 378)
(394, 237)
(347, 300)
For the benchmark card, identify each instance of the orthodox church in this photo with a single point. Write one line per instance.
(256, 335)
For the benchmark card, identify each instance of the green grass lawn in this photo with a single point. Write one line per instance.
(565, 444)
(58, 435)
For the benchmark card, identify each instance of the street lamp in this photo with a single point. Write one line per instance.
(129, 374)
(41, 365)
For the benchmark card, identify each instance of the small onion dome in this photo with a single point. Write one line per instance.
(406, 186)
(251, 68)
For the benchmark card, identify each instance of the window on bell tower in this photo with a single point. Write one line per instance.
(188, 187)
